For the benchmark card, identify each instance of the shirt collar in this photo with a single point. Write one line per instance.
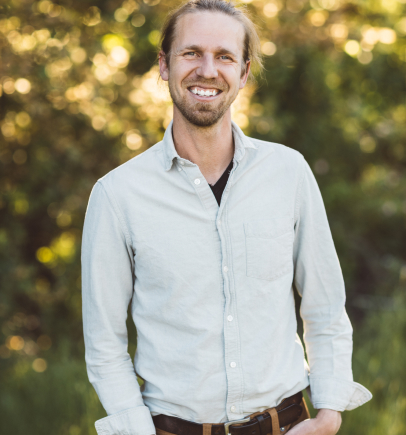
(240, 140)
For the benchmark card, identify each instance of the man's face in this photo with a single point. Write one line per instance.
(206, 68)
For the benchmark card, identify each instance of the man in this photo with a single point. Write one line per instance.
(207, 233)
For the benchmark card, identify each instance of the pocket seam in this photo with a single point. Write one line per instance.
(253, 228)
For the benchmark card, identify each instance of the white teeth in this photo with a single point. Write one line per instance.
(204, 93)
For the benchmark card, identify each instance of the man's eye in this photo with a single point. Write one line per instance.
(190, 54)
(225, 57)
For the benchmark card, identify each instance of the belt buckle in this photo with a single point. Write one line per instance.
(230, 423)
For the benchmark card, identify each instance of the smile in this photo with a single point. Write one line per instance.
(204, 92)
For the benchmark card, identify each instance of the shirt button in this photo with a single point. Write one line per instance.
(230, 318)
(197, 181)
(233, 408)
(219, 222)
(225, 268)
(181, 162)
(179, 169)
(233, 364)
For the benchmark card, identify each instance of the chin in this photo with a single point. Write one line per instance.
(203, 120)
(202, 115)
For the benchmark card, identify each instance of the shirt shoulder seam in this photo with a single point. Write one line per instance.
(116, 210)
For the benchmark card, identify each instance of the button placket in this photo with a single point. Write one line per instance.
(231, 332)
(202, 189)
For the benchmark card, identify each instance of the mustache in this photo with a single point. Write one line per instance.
(205, 83)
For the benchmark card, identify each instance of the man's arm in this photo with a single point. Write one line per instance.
(107, 286)
(327, 328)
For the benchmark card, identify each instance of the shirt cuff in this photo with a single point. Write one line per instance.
(337, 394)
(134, 421)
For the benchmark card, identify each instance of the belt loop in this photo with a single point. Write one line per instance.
(207, 429)
(262, 425)
(275, 421)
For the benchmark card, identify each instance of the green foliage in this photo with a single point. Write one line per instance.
(79, 95)
(60, 400)
(378, 364)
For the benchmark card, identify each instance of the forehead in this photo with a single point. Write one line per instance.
(209, 30)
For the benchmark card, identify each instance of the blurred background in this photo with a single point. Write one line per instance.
(79, 95)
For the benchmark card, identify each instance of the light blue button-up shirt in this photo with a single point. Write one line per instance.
(211, 290)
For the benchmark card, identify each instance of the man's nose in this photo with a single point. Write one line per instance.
(207, 68)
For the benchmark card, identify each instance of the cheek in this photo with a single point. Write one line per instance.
(232, 75)
(182, 72)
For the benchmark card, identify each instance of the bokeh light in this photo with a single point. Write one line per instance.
(39, 365)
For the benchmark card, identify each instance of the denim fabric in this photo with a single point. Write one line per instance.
(211, 290)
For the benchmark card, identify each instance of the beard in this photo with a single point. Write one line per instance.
(201, 114)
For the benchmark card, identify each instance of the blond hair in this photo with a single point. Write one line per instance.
(252, 46)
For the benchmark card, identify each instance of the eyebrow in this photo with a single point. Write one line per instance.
(218, 50)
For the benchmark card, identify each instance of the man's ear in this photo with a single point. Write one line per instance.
(163, 66)
(245, 73)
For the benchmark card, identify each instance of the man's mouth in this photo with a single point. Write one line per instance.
(202, 92)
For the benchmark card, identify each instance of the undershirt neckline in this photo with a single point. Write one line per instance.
(219, 186)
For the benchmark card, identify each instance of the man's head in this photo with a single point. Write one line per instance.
(207, 49)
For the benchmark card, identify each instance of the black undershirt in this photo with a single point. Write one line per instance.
(218, 188)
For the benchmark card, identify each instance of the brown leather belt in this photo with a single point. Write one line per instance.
(288, 411)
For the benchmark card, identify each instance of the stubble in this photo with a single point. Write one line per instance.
(201, 114)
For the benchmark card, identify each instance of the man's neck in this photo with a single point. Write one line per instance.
(210, 148)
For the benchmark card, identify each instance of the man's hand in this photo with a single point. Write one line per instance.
(327, 422)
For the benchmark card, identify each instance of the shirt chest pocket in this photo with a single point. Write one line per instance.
(269, 245)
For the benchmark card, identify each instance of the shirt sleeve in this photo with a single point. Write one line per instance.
(319, 281)
(107, 286)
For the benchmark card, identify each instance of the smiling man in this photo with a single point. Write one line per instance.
(207, 234)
